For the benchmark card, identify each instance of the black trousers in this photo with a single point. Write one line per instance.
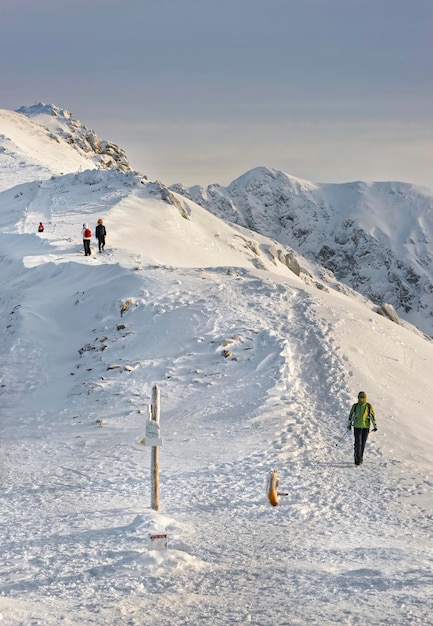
(101, 242)
(361, 436)
(86, 244)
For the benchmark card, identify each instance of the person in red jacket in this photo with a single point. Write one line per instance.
(40, 228)
(87, 236)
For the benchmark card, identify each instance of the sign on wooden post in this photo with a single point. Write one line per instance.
(153, 434)
(153, 438)
(154, 470)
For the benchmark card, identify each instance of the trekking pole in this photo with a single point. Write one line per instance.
(341, 438)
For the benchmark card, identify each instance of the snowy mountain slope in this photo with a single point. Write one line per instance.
(30, 152)
(375, 237)
(39, 141)
(191, 235)
(86, 338)
(105, 154)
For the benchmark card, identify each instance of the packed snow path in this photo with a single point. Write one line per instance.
(348, 545)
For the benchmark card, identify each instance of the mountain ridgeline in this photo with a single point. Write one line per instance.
(374, 237)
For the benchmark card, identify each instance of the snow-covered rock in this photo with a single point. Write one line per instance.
(64, 127)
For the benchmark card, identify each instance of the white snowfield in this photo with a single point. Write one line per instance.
(85, 339)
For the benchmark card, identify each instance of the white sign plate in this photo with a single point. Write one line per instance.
(153, 434)
(158, 541)
(152, 430)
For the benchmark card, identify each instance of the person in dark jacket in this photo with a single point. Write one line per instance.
(100, 234)
(360, 417)
(40, 228)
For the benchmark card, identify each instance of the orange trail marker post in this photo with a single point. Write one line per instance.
(272, 488)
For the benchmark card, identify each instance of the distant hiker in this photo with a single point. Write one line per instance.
(360, 416)
(100, 233)
(87, 236)
(40, 228)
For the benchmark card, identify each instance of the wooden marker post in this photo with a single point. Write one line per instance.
(154, 469)
(153, 439)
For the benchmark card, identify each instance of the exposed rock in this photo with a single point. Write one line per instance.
(170, 198)
(125, 306)
(63, 126)
(387, 310)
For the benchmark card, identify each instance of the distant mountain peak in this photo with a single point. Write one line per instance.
(264, 175)
(375, 237)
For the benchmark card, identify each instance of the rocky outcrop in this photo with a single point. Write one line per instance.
(63, 126)
(388, 311)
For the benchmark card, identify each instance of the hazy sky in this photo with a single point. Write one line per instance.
(199, 91)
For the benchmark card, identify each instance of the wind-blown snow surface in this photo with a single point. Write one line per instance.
(86, 338)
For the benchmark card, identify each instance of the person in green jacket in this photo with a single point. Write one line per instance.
(360, 417)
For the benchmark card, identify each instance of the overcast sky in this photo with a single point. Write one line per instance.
(199, 91)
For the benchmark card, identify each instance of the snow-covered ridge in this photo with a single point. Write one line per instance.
(62, 124)
(375, 237)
